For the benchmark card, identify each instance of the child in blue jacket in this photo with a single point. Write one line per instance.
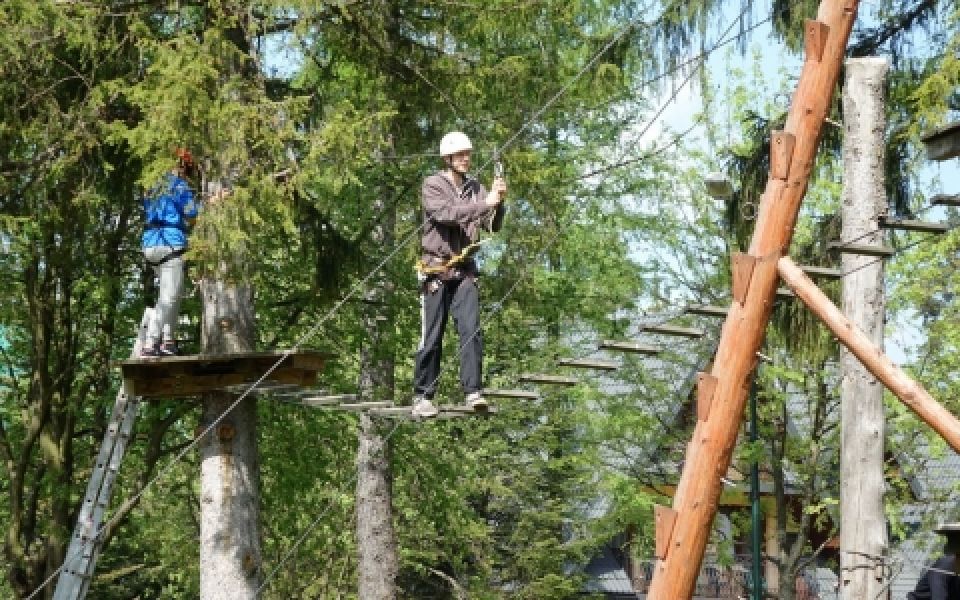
(169, 211)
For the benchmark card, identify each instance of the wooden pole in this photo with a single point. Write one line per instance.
(863, 525)
(230, 558)
(906, 389)
(708, 455)
(377, 555)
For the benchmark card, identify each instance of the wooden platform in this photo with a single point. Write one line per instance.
(178, 376)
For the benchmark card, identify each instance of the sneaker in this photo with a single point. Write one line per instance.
(476, 401)
(168, 348)
(150, 350)
(423, 408)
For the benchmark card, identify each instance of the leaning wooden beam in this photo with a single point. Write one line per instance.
(909, 391)
(792, 157)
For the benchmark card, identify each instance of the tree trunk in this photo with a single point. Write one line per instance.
(230, 557)
(863, 537)
(376, 540)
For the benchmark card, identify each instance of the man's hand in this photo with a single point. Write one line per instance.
(498, 192)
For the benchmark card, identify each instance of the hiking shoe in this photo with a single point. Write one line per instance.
(476, 401)
(423, 408)
(168, 348)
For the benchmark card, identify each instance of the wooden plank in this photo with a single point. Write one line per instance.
(944, 143)
(190, 375)
(221, 358)
(911, 225)
(550, 379)
(632, 347)
(191, 385)
(823, 272)
(454, 411)
(707, 311)
(586, 363)
(362, 406)
(865, 249)
(393, 411)
(690, 332)
(329, 400)
(521, 394)
(946, 200)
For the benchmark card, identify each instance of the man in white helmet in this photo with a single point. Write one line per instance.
(455, 208)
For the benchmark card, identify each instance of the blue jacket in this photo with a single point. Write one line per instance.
(166, 211)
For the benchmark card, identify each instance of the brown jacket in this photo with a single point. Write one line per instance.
(453, 218)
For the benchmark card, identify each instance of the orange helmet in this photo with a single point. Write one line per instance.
(184, 156)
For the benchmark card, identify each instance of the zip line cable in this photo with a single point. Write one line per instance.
(311, 332)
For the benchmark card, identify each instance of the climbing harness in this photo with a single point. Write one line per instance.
(453, 263)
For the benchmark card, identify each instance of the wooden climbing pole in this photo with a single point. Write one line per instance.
(683, 531)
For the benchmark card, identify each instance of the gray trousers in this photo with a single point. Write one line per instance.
(169, 289)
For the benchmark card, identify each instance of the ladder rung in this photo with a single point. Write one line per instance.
(946, 200)
(328, 400)
(865, 249)
(584, 363)
(690, 332)
(552, 379)
(361, 406)
(911, 225)
(824, 272)
(523, 394)
(707, 310)
(634, 347)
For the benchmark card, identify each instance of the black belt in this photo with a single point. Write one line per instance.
(172, 255)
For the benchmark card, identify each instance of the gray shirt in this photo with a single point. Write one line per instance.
(454, 217)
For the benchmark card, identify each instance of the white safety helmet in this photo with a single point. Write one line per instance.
(454, 142)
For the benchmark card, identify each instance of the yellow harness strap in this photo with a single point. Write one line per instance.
(426, 269)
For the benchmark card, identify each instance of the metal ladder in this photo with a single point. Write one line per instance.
(81, 557)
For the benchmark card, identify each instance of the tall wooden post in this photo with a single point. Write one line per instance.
(863, 530)
(377, 563)
(683, 531)
(230, 558)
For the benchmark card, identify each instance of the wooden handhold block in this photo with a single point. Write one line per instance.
(706, 386)
(781, 153)
(743, 265)
(665, 518)
(814, 39)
